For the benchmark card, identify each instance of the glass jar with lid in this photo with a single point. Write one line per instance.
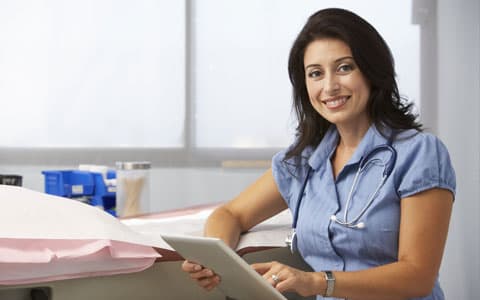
(133, 188)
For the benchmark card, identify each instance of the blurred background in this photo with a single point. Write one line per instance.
(200, 89)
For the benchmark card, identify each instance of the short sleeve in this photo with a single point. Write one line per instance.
(281, 176)
(424, 164)
(288, 173)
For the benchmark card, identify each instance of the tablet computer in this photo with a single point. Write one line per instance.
(239, 280)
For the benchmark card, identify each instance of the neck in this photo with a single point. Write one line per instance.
(351, 136)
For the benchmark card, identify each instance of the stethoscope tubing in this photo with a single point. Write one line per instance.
(364, 163)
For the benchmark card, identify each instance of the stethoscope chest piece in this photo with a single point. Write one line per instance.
(291, 241)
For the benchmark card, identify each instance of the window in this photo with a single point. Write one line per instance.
(96, 73)
(241, 91)
(164, 80)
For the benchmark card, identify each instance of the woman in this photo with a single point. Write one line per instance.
(365, 236)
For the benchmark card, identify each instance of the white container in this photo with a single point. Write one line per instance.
(133, 188)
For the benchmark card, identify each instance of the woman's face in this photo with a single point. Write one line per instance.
(336, 87)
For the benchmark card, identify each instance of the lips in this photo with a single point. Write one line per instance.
(335, 102)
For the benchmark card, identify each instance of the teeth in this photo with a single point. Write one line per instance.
(335, 102)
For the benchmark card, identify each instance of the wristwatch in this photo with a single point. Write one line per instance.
(330, 283)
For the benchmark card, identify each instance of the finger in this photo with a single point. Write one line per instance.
(209, 283)
(262, 268)
(292, 283)
(204, 273)
(189, 266)
(273, 278)
(214, 283)
(204, 282)
(284, 286)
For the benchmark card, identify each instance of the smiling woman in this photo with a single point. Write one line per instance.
(337, 88)
(360, 172)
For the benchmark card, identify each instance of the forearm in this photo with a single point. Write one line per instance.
(400, 280)
(223, 225)
(257, 203)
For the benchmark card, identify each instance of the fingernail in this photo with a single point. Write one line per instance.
(197, 267)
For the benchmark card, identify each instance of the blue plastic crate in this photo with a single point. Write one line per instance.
(100, 187)
(104, 195)
(69, 183)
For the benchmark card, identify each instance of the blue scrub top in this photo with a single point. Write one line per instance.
(422, 163)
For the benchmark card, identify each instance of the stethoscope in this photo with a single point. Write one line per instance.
(365, 162)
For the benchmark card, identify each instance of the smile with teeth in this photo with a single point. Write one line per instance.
(335, 102)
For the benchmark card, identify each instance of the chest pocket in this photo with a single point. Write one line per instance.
(379, 241)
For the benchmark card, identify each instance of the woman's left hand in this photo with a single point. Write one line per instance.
(287, 279)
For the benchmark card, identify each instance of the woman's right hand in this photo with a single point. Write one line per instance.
(204, 277)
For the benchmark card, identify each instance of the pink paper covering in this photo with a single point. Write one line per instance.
(45, 238)
(25, 261)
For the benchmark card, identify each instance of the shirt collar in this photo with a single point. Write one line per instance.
(327, 146)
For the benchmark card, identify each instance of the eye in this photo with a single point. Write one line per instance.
(314, 74)
(345, 68)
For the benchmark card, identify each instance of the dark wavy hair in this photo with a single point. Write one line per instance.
(372, 56)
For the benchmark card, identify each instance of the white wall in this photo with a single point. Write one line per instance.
(458, 127)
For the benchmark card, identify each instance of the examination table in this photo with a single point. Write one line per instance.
(161, 279)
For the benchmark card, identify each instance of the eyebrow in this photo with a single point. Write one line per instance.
(336, 61)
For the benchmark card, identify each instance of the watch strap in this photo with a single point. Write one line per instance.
(330, 279)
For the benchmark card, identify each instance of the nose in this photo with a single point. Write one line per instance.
(331, 84)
